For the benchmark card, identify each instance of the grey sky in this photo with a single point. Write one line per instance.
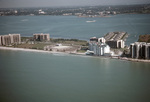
(53, 3)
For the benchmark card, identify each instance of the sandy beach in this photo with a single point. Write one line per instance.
(131, 59)
(135, 60)
(22, 49)
(33, 50)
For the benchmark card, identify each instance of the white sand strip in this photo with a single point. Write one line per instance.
(22, 49)
(34, 50)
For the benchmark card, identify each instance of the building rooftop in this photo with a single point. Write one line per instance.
(41, 34)
(114, 36)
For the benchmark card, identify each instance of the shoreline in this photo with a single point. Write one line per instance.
(34, 50)
(83, 54)
(135, 60)
(75, 15)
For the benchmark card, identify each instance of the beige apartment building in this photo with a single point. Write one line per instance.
(41, 37)
(10, 39)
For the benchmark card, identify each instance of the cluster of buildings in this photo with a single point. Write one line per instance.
(11, 39)
(41, 12)
(62, 48)
(116, 39)
(101, 46)
(98, 47)
(6, 40)
(90, 13)
(140, 50)
(41, 37)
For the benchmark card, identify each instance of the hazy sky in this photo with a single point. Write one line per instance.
(53, 3)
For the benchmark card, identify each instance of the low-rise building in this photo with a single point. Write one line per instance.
(41, 12)
(140, 50)
(41, 37)
(62, 48)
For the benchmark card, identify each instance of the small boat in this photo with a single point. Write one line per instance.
(91, 21)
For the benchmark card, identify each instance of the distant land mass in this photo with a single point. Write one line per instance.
(144, 38)
(82, 11)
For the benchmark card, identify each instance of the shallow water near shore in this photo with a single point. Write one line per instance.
(45, 77)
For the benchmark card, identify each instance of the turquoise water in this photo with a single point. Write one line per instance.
(44, 77)
(75, 27)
